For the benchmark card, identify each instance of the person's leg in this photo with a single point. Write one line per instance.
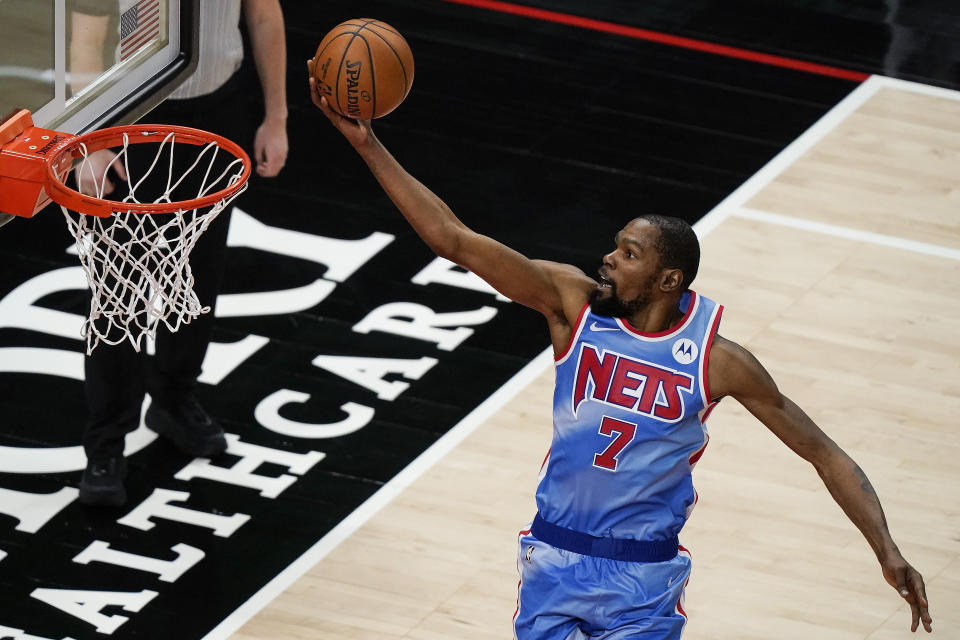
(175, 412)
(645, 603)
(178, 360)
(548, 599)
(114, 389)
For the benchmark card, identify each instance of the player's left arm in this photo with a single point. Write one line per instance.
(265, 24)
(735, 372)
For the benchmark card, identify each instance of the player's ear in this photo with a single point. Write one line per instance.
(671, 280)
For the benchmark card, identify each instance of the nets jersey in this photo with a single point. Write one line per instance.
(629, 412)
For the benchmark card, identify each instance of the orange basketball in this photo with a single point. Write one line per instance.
(364, 68)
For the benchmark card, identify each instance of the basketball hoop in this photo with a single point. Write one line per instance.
(134, 250)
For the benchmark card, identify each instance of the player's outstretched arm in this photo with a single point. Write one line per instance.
(735, 372)
(558, 291)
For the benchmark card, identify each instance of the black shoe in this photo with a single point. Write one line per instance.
(184, 423)
(102, 482)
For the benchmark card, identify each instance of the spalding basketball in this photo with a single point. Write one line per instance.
(364, 68)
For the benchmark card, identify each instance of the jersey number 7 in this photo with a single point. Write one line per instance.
(624, 434)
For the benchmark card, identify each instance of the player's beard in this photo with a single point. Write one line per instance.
(613, 306)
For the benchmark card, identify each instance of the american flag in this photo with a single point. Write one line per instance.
(138, 26)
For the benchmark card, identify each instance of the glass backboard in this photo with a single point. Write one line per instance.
(84, 64)
(79, 65)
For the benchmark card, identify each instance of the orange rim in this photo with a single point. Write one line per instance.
(63, 155)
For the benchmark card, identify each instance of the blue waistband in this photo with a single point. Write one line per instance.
(612, 548)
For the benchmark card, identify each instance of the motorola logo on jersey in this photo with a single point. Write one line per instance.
(619, 380)
(684, 351)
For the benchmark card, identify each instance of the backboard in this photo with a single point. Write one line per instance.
(79, 65)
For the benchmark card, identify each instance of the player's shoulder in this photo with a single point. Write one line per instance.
(733, 368)
(725, 348)
(571, 281)
(567, 274)
(573, 285)
(730, 355)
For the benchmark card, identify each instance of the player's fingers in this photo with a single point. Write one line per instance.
(315, 95)
(900, 577)
(330, 113)
(916, 584)
(312, 82)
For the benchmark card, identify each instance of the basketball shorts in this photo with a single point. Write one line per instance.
(567, 596)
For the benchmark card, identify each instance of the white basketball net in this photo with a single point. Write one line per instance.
(138, 265)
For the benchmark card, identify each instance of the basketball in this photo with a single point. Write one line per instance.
(364, 68)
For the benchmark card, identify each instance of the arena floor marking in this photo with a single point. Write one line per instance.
(663, 38)
(779, 163)
(916, 87)
(726, 208)
(848, 233)
(734, 204)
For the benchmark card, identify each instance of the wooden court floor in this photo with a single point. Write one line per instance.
(839, 266)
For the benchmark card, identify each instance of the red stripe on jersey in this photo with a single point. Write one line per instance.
(573, 334)
(699, 452)
(680, 609)
(706, 357)
(659, 334)
(516, 612)
(708, 411)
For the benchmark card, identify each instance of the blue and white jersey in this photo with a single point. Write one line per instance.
(629, 413)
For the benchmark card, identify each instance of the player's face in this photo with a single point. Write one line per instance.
(630, 274)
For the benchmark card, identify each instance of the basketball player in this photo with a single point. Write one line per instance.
(639, 365)
(116, 377)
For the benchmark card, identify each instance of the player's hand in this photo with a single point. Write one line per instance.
(270, 147)
(90, 172)
(909, 584)
(357, 132)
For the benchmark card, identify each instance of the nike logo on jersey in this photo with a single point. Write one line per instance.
(597, 327)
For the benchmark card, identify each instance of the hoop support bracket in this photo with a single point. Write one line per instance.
(23, 164)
